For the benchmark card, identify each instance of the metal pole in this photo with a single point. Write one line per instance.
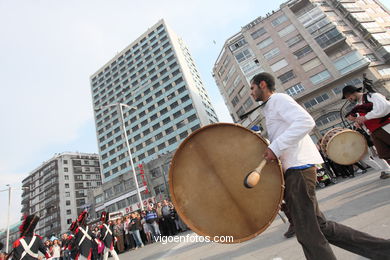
(131, 157)
(9, 206)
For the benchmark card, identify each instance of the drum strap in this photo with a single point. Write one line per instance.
(85, 235)
(108, 231)
(27, 248)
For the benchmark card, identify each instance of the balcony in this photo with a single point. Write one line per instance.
(332, 42)
(326, 28)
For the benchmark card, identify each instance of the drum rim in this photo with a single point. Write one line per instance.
(323, 147)
(188, 221)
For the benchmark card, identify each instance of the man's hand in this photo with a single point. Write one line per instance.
(360, 120)
(269, 155)
(357, 125)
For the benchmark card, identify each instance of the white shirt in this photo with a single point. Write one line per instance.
(288, 125)
(380, 108)
(56, 251)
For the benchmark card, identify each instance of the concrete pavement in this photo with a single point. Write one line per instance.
(362, 203)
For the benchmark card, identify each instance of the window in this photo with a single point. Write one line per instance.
(172, 140)
(356, 81)
(371, 57)
(248, 103)
(331, 13)
(311, 64)
(303, 52)
(183, 135)
(272, 53)
(66, 185)
(294, 90)
(384, 72)
(350, 62)
(286, 30)
(237, 44)
(67, 203)
(279, 20)
(381, 36)
(258, 33)
(68, 212)
(243, 55)
(240, 111)
(99, 199)
(265, 43)
(317, 100)
(279, 65)
(65, 161)
(69, 221)
(65, 169)
(289, 75)
(320, 77)
(66, 177)
(329, 38)
(325, 119)
(67, 194)
(235, 101)
(318, 25)
(243, 91)
(309, 16)
(294, 40)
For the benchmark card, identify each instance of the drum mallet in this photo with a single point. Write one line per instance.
(253, 177)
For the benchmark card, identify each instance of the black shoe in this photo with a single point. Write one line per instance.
(290, 232)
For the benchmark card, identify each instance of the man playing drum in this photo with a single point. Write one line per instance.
(373, 110)
(288, 125)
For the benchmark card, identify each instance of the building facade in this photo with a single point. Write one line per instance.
(153, 90)
(313, 48)
(119, 194)
(57, 190)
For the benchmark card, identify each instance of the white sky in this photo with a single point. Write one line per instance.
(49, 49)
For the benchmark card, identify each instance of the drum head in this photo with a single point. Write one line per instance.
(346, 147)
(206, 183)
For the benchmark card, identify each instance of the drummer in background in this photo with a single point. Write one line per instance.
(374, 112)
(288, 125)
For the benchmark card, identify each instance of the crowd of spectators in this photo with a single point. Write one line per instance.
(131, 231)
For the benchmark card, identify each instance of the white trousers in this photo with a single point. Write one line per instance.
(375, 163)
(113, 253)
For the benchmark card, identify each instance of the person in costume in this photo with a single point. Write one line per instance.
(28, 245)
(84, 240)
(106, 231)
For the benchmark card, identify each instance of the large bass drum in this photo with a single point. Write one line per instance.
(344, 146)
(206, 183)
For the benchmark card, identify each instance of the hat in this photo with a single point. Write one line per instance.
(28, 225)
(73, 226)
(104, 217)
(82, 217)
(349, 89)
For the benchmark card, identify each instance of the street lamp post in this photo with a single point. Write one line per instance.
(9, 207)
(128, 146)
(8, 214)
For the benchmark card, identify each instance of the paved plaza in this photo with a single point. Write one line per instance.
(362, 202)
